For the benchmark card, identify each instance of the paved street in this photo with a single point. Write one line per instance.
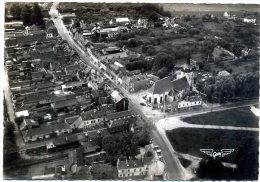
(10, 109)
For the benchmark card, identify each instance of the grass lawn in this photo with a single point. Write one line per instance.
(191, 140)
(241, 117)
(184, 162)
(214, 27)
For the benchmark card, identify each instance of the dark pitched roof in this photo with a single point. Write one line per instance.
(128, 164)
(161, 86)
(117, 115)
(92, 115)
(98, 93)
(65, 103)
(64, 140)
(46, 129)
(28, 122)
(120, 122)
(180, 84)
(38, 75)
(89, 147)
(44, 85)
(76, 120)
(116, 97)
(72, 68)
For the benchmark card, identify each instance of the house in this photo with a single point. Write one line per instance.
(112, 53)
(51, 32)
(45, 86)
(90, 147)
(119, 125)
(65, 142)
(136, 83)
(45, 131)
(142, 22)
(249, 20)
(71, 86)
(118, 115)
(149, 166)
(120, 102)
(64, 104)
(31, 29)
(219, 53)
(119, 21)
(23, 113)
(28, 124)
(39, 75)
(18, 25)
(192, 101)
(93, 159)
(74, 121)
(92, 119)
(223, 73)
(72, 69)
(97, 95)
(131, 168)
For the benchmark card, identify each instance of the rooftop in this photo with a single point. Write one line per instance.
(117, 115)
(161, 86)
(129, 164)
(46, 129)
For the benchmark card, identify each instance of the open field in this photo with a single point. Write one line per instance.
(185, 7)
(240, 117)
(191, 140)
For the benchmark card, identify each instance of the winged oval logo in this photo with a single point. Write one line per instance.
(222, 153)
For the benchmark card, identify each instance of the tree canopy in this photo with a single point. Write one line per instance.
(29, 13)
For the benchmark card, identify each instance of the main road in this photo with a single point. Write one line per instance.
(173, 167)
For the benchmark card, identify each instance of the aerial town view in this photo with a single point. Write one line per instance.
(130, 91)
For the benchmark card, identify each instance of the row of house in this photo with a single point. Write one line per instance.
(148, 166)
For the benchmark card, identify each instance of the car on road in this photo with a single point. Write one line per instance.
(142, 104)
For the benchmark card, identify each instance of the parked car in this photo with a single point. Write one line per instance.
(142, 104)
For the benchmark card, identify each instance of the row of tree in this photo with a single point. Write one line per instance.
(29, 14)
(223, 88)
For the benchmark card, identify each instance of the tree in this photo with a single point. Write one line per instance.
(163, 60)
(83, 174)
(247, 168)
(141, 138)
(210, 169)
(36, 15)
(224, 87)
(194, 31)
(26, 15)
(133, 43)
(153, 17)
(246, 85)
(9, 129)
(163, 72)
(15, 10)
